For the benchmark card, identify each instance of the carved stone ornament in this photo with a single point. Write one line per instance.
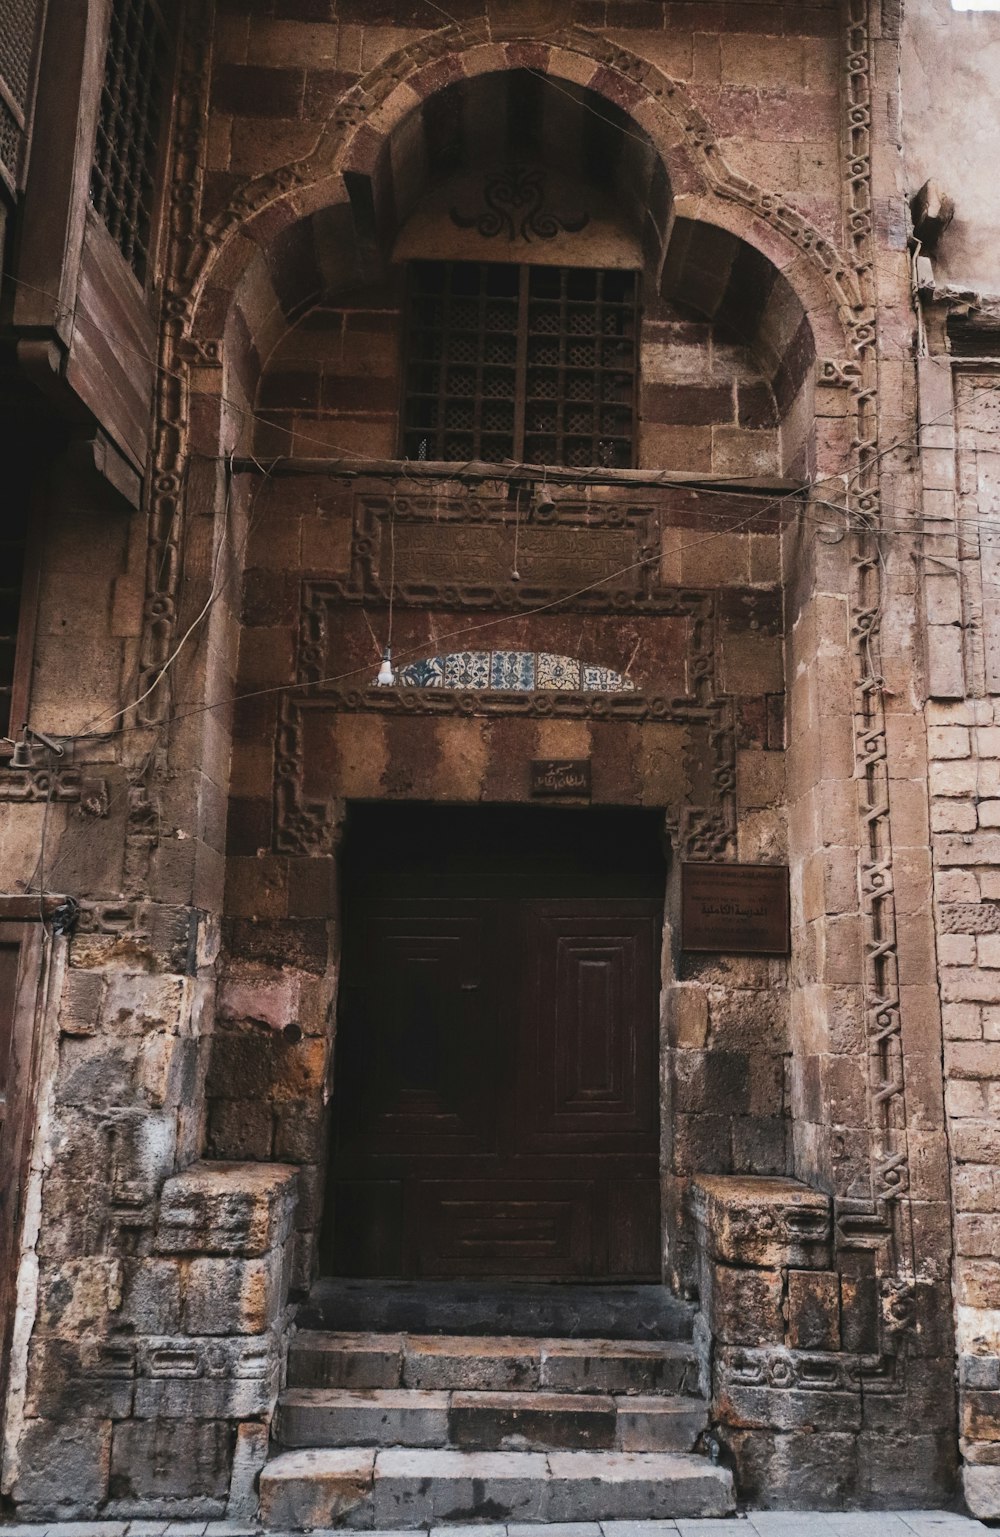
(456, 553)
(21, 786)
(515, 202)
(838, 373)
(885, 1223)
(703, 831)
(786, 1370)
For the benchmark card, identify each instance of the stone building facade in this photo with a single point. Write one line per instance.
(282, 410)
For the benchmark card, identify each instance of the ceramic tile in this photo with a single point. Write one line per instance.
(517, 671)
(604, 680)
(467, 669)
(512, 670)
(427, 673)
(557, 672)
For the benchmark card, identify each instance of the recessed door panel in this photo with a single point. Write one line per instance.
(417, 1031)
(588, 1057)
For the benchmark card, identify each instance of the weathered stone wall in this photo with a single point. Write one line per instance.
(767, 125)
(701, 738)
(948, 134)
(960, 445)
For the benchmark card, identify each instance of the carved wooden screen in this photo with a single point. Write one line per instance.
(123, 176)
(18, 38)
(526, 363)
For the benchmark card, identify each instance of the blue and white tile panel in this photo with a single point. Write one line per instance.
(512, 671)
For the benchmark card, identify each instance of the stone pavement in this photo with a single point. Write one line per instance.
(781, 1523)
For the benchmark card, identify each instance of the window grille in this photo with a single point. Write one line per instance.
(13, 537)
(18, 29)
(535, 364)
(123, 176)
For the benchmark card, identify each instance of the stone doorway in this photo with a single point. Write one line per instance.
(496, 1109)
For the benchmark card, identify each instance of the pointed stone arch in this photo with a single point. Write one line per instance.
(353, 143)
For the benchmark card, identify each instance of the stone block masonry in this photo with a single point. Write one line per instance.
(154, 1380)
(792, 1325)
(783, 652)
(963, 756)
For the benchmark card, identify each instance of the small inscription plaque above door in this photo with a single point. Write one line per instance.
(735, 909)
(560, 776)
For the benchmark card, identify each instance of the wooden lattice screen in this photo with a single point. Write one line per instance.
(123, 176)
(535, 364)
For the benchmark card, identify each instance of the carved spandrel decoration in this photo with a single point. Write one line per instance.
(516, 204)
(461, 550)
(306, 824)
(438, 553)
(454, 534)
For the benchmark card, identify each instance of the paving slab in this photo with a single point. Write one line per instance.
(933, 1523)
(469, 1531)
(318, 1360)
(641, 1529)
(531, 1421)
(315, 1488)
(714, 1528)
(558, 1529)
(428, 1488)
(362, 1417)
(85, 1528)
(471, 1363)
(637, 1485)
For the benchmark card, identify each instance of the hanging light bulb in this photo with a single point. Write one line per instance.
(386, 677)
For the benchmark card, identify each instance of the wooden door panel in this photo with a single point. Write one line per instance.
(496, 1087)
(634, 1226)
(503, 1227)
(417, 1034)
(588, 1065)
(363, 1231)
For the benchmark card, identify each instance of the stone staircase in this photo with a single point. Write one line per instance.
(410, 1428)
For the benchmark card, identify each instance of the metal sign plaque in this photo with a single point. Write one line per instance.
(735, 909)
(560, 776)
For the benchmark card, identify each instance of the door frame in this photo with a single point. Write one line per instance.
(667, 971)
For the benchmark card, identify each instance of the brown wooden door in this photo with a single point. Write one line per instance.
(496, 1106)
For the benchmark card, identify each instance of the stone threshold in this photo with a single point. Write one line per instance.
(774, 1523)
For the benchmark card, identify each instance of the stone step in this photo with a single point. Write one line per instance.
(541, 1309)
(538, 1421)
(402, 1488)
(477, 1363)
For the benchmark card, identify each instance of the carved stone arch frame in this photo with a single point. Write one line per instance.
(836, 289)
